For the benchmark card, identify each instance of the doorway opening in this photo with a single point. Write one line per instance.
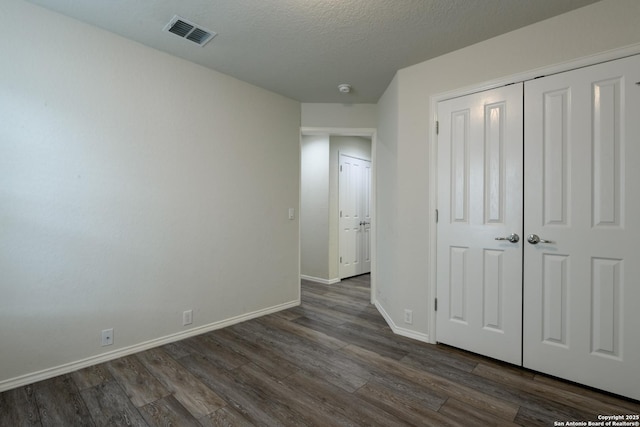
(321, 243)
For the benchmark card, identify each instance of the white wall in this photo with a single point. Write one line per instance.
(339, 115)
(402, 156)
(386, 152)
(314, 207)
(133, 186)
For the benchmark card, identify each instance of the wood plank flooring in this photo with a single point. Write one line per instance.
(331, 361)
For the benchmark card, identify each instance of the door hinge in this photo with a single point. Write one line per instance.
(340, 168)
(435, 305)
(437, 215)
(340, 214)
(437, 127)
(340, 260)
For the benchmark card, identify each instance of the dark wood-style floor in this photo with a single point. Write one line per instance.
(331, 361)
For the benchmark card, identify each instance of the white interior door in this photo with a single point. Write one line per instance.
(582, 180)
(479, 278)
(354, 183)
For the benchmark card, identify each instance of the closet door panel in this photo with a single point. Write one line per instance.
(479, 200)
(582, 201)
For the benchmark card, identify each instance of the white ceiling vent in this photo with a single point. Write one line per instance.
(188, 30)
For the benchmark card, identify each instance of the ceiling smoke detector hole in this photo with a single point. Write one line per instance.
(188, 30)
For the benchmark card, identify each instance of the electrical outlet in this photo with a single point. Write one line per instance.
(107, 337)
(408, 317)
(187, 317)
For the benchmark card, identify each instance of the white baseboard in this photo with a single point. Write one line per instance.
(319, 280)
(401, 331)
(126, 351)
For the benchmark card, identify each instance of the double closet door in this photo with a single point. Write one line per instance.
(539, 211)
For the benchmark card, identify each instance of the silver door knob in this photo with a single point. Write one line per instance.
(513, 238)
(534, 239)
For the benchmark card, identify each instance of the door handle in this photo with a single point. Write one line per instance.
(534, 239)
(513, 238)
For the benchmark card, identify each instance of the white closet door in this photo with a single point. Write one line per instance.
(479, 278)
(582, 181)
(354, 183)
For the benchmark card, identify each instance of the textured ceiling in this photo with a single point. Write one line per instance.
(304, 48)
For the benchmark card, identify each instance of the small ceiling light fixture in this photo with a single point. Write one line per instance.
(344, 88)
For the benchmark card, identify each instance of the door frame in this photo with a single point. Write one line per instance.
(569, 65)
(367, 133)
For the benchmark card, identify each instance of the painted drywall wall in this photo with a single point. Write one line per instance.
(387, 215)
(133, 186)
(314, 207)
(355, 146)
(339, 115)
(402, 156)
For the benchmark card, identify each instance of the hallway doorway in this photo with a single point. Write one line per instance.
(321, 247)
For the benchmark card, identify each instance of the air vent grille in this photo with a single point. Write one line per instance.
(198, 35)
(188, 30)
(180, 28)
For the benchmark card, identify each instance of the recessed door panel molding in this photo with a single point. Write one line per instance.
(606, 303)
(492, 295)
(458, 284)
(554, 295)
(555, 172)
(608, 124)
(494, 163)
(460, 166)
(366, 218)
(480, 200)
(581, 277)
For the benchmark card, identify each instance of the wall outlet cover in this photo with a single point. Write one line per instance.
(187, 317)
(107, 337)
(408, 317)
